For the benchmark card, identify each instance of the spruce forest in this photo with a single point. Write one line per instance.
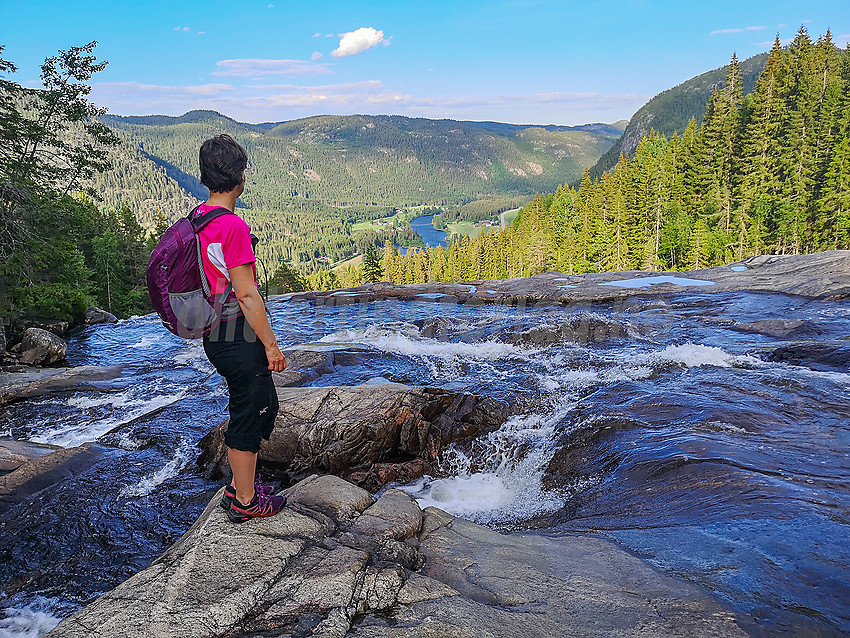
(765, 174)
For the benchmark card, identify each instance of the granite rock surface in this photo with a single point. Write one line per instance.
(336, 562)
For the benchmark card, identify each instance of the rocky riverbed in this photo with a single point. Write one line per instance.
(819, 276)
(689, 430)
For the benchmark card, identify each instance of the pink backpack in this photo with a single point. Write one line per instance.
(178, 287)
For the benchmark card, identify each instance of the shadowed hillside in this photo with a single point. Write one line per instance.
(669, 111)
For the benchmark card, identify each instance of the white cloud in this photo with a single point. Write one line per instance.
(842, 40)
(598, 100)
(358, 41)
(155, 98)
(202, 32)
(316, 56)
(259, 102)
(737, 30)
(271, 6)
(331, 96)
(317, 35)
(207, 90)
(767, 44)
(247, 67)
(329, 35)
(182, 29)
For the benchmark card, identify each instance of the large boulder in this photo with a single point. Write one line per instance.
(95, 315)
(41, 347)
(349, 430)
(335, 562)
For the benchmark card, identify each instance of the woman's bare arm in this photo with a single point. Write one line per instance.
(242, 278)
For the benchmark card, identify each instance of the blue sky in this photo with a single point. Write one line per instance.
(522, 61)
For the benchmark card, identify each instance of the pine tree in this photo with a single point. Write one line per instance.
(834, 203)
(797, 149)
(372, 269)
(391, 259)
(730, 106)
(758, 183)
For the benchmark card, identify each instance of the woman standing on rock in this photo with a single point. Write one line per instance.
(243, 349)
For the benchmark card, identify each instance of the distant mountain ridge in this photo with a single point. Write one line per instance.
(200, 115)
(669, 111)
(358, 160)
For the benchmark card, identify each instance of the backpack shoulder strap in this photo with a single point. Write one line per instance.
(199, 222)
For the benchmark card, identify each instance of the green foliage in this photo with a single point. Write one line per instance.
(285, 280)
(61, 253)
(769, 173)
(488, 208)
(372, 268)
(313, 179)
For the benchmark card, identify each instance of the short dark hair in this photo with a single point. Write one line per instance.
(223, 163)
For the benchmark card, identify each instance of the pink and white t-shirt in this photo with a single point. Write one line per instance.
(225, 243)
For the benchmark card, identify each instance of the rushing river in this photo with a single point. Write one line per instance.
(668, 433)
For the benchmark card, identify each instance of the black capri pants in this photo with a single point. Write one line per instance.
(240, 357)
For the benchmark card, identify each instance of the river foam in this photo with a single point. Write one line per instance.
(499, 481)
(692, 355)
(92, 424)
(30, 620)
(445, 358)
(185, 453)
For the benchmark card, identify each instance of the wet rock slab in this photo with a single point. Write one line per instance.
(15, 386)
(14, 454)
(817, 356)
(823, 275)
(336, 562)
(43, 471)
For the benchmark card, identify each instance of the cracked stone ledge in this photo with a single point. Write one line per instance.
(336, 562)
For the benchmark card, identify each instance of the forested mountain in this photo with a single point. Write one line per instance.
(366, 161)
(764, 174)
(669, 111)
(311, 179)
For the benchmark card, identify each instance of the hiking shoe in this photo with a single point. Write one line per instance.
(261, 505)
(230, 493)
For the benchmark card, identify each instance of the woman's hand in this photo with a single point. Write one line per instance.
(277, 361)
(245, 287)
